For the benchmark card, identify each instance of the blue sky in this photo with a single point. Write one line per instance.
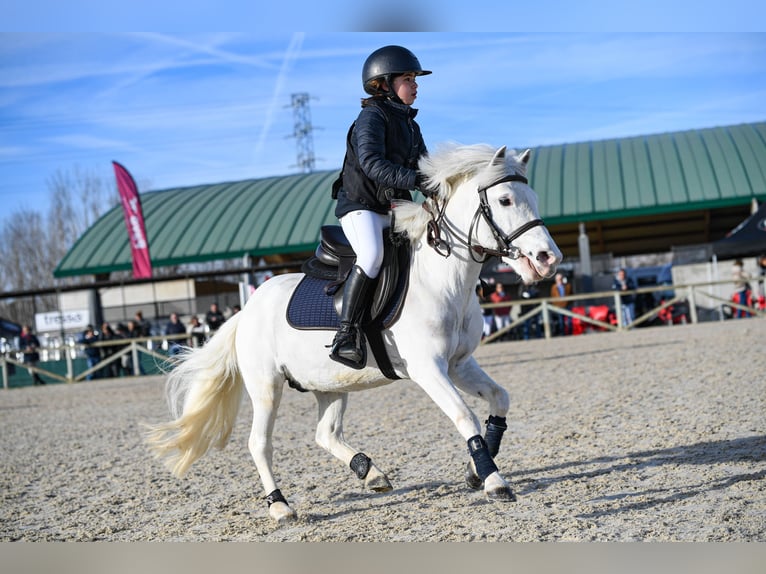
(188, 108)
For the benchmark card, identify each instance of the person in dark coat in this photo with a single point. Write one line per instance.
(175, 327)
(30, 345)
(111, 370)
(214, 319)
(92, 354)
(383, 147)
(623, 283)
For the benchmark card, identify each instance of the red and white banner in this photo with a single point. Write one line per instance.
(134, 221)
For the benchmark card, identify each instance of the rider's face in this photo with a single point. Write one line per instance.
(406, 88)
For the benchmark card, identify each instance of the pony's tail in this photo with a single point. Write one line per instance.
(204, 392)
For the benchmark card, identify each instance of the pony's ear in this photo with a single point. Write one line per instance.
(499, 157)
(524, 158)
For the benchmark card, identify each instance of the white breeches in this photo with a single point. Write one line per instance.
(364, 230)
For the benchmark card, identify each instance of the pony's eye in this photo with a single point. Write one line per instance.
(505, 201)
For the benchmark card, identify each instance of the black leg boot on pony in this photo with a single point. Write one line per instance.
(349, 347)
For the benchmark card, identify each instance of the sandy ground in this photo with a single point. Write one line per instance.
(653, 435)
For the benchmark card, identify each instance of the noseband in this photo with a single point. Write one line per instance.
(504, 242)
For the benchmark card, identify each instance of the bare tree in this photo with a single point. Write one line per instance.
(33, 244)
(26, 263)
(77, 201)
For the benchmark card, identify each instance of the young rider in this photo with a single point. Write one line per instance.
(382, 151)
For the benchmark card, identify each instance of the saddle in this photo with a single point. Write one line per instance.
(316, 299)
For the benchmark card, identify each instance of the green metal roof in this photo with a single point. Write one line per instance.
(581, 182)
(210, 222)
(649, 175)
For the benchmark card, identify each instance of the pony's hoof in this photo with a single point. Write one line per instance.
(471, 478)
(281, 513)
(497, 490)
(377, 481)
(501, 494)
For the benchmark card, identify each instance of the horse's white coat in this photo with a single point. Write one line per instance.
(432, 342)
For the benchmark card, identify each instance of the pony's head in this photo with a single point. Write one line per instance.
(484, 204)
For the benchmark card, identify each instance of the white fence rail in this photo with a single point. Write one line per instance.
(692, 297)
(132, 348)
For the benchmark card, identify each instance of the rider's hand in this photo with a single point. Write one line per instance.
(422, 185)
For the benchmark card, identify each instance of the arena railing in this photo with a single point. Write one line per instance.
(689, 295)
(157, 347)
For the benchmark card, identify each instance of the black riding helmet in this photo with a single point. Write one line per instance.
(387, 62)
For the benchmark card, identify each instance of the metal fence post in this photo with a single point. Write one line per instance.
(134, 353)
(692, 305)
(618, 310)
(546, 320)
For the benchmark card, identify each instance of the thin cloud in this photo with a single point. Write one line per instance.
(215, 107)
(293, 50)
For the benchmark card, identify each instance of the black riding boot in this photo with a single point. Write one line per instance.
(349, 346)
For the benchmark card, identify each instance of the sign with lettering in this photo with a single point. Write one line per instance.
(61, 320)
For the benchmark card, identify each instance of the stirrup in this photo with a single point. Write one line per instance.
(350, 341)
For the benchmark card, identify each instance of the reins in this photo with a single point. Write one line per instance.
(504, 242)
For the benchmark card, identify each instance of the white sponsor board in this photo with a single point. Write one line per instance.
(58, 320)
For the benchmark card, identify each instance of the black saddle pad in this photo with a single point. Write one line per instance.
(310, 307)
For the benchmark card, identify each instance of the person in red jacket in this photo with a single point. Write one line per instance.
(502, 314)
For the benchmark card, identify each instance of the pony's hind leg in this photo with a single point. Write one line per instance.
(266, 399)
(329, 435)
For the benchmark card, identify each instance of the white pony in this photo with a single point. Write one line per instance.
(484, 207)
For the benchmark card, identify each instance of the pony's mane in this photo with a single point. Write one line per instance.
(447, 167)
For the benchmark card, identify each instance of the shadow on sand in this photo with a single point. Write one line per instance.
(748, 450)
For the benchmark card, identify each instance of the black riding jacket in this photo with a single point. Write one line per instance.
(383, 147)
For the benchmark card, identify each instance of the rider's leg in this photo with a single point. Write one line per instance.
(348, 346)
(364, 230)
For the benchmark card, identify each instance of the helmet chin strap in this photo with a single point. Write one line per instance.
(390, 93)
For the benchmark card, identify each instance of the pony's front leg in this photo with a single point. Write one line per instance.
(470, 378)
(444, 393)
(329, 436)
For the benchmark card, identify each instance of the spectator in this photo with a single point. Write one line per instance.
(174, 327)
(196, 331)
(502, 314)
(214, 318)
(133, 331)
(144, 327)
(623, 283)
(531, 324)
(561, 288)
(741, 287)
(486, 313)
(30, 345)
(92, 354)
(112, 369)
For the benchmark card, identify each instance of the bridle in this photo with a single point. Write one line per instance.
(504, 241)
